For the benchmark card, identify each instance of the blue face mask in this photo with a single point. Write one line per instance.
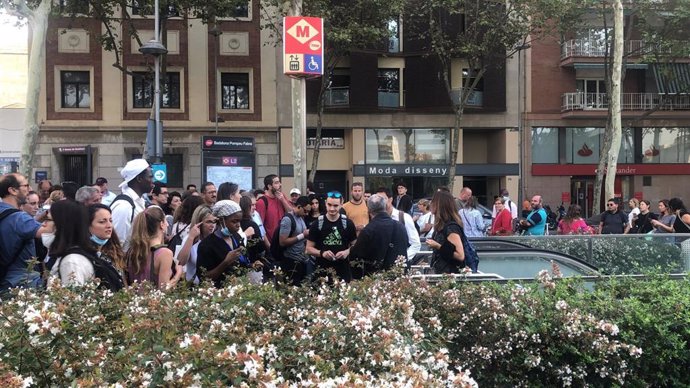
(225, 231)
(99, 241)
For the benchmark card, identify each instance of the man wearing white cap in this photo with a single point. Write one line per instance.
(137, 180)
(294, 194)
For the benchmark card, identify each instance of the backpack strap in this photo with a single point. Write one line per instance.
(265, 201)
(320, 221)
(124, 197)
(401, 217)
(293, 224)
(343, 221)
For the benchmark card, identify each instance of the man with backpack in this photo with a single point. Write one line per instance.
(273, 204)
(17, 232)
(330, 238)
(289, 249)
(137, 180)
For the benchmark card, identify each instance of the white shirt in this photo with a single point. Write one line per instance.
(633, 213)
(412, 235)
(75, 270)
(190, 268)
(108, 198)
(424, 219)
(513, 209)
(122, 215)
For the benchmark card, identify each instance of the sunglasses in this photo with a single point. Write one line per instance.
(610, 204)
(334, 194)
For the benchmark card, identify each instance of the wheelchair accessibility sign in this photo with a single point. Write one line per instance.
(303, 39)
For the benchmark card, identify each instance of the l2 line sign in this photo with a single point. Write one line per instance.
(303, 39)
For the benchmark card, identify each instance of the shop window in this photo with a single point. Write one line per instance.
(75, 89)
(544, 145)
(407, 145)
(583, 145)
(234, 90)
(143, 90)
(665, 145)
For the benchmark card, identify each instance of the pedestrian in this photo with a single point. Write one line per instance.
(317, 209)
(295, 263)
(273, 204)
(613, 221)
(137, 180)
(256, 240)
(472, 220)
(572, 222)
(402, 201)
(535, 222)
(222, 254)
(447, 242)
(503, 222)
(381, 243)
(148, 258)
(30, 206)
(159, 195)
(414, 244)
(229, 190)
(642, 223)
(682, 221)
(356, 207)
(666, 219)
(508, 204)
(183, 217)
(203, 224)
(634, 205)
(17, 232)
(88, 195)
(44, 190)
(208, 193)
(425, 221)
(104, 238)
(107, 196)
(330, 239)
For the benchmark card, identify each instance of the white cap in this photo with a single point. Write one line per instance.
(295, 191)
(131, 170)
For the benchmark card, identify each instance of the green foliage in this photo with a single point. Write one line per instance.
(371, 333)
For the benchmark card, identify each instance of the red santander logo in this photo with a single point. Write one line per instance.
(209, 142)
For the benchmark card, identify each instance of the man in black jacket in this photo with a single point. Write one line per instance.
(403, 201)
(380, 243)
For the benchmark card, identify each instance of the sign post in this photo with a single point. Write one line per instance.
(302, 57)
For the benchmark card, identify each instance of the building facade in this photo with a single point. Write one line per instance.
(388, 117)
(566, 113)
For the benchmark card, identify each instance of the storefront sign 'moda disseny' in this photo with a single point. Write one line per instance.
(413, 170)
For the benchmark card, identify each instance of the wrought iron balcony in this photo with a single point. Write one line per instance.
(629, 101)
(597, 48)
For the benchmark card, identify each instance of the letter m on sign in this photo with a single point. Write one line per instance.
(302, 31)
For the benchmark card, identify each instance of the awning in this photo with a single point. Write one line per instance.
(672, 78)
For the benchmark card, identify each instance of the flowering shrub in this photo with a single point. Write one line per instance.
(374, 332)
(616, 256)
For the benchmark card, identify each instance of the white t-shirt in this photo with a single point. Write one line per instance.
(633, 213)
(424, 219)
(412, 235)
(190, 268)
(74, 268)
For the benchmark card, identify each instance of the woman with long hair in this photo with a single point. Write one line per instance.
(666, 219)
(183, 216)
(71, 246)
(104, 238)
(424, 221)
(174, 201)
(447, 243)
(572, 222)
(472, 221)
(682, 222)
(634, 205)
(642, 223)
(203, 225)
(148, 259)
(317, 206)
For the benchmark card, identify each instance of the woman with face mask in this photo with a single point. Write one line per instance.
(104, 238)
(223, 252)
(148, 258)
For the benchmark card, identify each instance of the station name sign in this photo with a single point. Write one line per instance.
(408, 170)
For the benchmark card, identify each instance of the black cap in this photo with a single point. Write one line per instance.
(101, 181)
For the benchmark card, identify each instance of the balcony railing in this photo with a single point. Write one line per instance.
(389, 98)
(476, 97)
(337, 96)
(595, 48)
(629, 101)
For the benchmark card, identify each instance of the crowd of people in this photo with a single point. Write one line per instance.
(149, 234)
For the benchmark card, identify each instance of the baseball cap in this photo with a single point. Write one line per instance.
(295, 191)
(131, 170)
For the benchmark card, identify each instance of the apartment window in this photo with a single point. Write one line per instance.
(338, 90)
(476, 97)
(593, 93)
(234, 90)
(75, 89)
(389, 87)
(394, 36)
(143, 90)
(72, 7)
(242, 10)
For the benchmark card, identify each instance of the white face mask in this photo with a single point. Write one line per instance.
(47, 239)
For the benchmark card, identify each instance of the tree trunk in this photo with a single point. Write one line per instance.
(38, 21)
(615, 98)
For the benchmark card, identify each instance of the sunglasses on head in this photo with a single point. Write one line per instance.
(334, 194)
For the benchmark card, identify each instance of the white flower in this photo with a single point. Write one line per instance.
(27, 382)
(561, 305)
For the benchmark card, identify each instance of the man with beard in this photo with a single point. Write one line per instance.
(356, 208)
(17, 232)
(535, 223)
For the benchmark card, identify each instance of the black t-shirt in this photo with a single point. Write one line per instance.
(679, 226)
(614, 223)
(443, 264)
(643, 223)
(255, 245)
(332, 237)
(212, 251)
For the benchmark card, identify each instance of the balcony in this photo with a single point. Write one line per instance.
(337, 96)
(476, 98)
(389, 98)
(597, 49)
(629, 101)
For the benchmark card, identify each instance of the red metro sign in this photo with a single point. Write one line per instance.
(303, 45)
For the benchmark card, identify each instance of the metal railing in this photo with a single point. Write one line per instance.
(337, 96)
(596, 48)
(389, 98)
(629, 101)
(476, 97)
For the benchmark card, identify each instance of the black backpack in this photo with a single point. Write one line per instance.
(5, 262)
(124, 198)
(102, 270)
(176, 239)
(276, 250)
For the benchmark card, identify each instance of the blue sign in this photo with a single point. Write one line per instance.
(160, 173)
(41, 176)
(313, 64)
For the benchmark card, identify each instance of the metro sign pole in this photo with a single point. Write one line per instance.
(302, 57)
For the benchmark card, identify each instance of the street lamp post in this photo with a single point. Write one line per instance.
(520, 107)
(155, 47)
(216, 32)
